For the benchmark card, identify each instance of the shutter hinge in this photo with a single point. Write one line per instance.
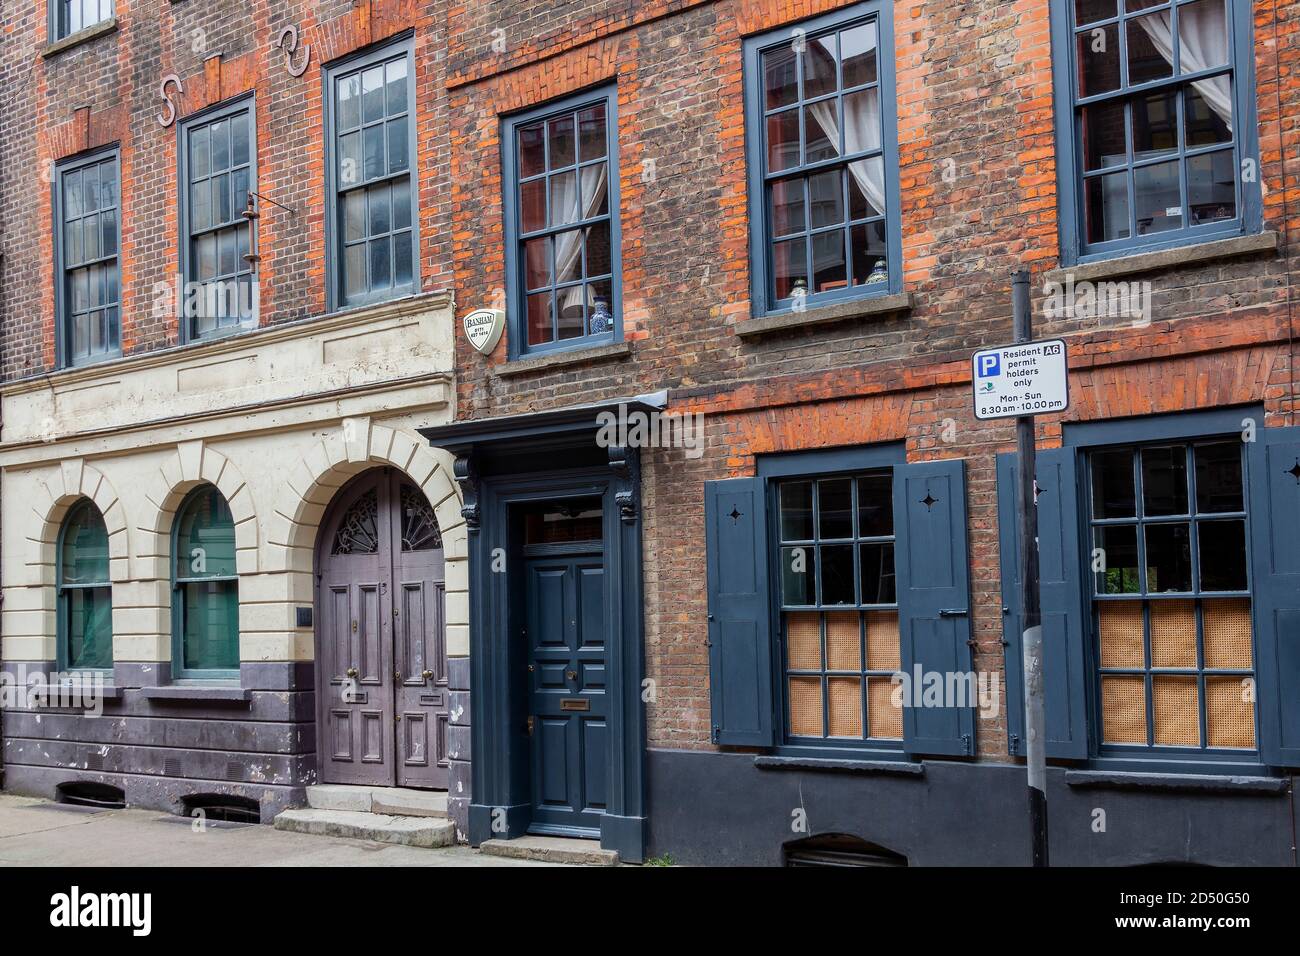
(1015, 742)
(717, 732)
(966, 742)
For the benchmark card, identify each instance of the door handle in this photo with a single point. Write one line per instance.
(352, 672)
(426, 674)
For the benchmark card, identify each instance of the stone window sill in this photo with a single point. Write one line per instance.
(199, 693)
(1196, 783)
(542, 363)
(103, 28)
(107, 692)
(1167, 258)
(879, 305)
(887, 767)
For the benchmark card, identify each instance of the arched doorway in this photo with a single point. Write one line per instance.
(381, 660)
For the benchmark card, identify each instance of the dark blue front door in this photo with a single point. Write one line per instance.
(566, 625)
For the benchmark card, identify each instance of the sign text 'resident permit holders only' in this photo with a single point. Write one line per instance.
(1025, 379)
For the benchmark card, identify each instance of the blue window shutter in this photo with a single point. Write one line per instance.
(1060, 551)
(1275, 545)
(933, 575)
(740, 644)
(1009, 554)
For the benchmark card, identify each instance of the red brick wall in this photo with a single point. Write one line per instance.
(107, 92)
(974, 90)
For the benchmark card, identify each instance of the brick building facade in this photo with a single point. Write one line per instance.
(970, 141)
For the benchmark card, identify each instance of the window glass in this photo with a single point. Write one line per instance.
(821, 165)
(72, 16)
(375, 257)
(1171, 605)
(563, 224)
(1154, 83)
(206, 584)
(89, 239)
(85, 592)
(219, 261)
(839, 608)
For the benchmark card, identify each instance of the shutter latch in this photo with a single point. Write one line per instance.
(953, 612)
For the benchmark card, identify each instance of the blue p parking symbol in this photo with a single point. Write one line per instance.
(990, 365)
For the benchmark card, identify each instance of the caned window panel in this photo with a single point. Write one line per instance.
(1173, 634)
(1176, 711)
(1230, 712)
(829, 693)
(1123, 710)
(1121, 631)
(1175, 651)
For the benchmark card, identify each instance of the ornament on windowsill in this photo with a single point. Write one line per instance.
(601, 319)
(799, 295)
(880, 273)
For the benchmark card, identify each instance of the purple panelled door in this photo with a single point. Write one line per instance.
(381, 655)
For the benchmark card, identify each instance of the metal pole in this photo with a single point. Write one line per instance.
(1030, 609)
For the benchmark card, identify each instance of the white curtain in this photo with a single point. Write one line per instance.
(862, 132)
(590, 193)
(1203, 36)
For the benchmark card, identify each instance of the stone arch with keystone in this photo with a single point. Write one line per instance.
(29, 577)
(357, 445)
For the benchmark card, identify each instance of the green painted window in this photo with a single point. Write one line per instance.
(85, 594)
(205, 589)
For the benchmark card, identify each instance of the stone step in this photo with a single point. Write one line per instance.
(552, 850)
(395, 801)
(377, 827)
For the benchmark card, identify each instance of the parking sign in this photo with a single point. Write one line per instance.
(1026, 379)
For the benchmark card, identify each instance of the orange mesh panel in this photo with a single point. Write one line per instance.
(1229, 712)
(1173, 634)
(886, 720)
(1120, 626)
(845, 707)
(843, 643)
(803, 641)
(1123, 710)
(805, 706)
(1226, 627)
(1175, 704)
(882, 641)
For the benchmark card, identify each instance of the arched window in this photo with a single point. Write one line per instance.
(85, 592)
(205, 588)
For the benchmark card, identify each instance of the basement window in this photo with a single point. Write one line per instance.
(222, 808)
(839, 849)
(87, 793)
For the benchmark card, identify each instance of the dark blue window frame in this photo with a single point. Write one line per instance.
(1075, 248)
(363, 183)
(240, 270)
(70, 17)
(515, 237)
(765, 296)
(815, 466)
(103, 270)
(1187, 428)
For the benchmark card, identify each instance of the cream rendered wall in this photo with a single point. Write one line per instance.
(277, 419)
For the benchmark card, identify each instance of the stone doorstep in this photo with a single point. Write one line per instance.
(552, 850)
(394, 801)
(376, 827)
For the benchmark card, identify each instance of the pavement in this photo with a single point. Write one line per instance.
(37, 832)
